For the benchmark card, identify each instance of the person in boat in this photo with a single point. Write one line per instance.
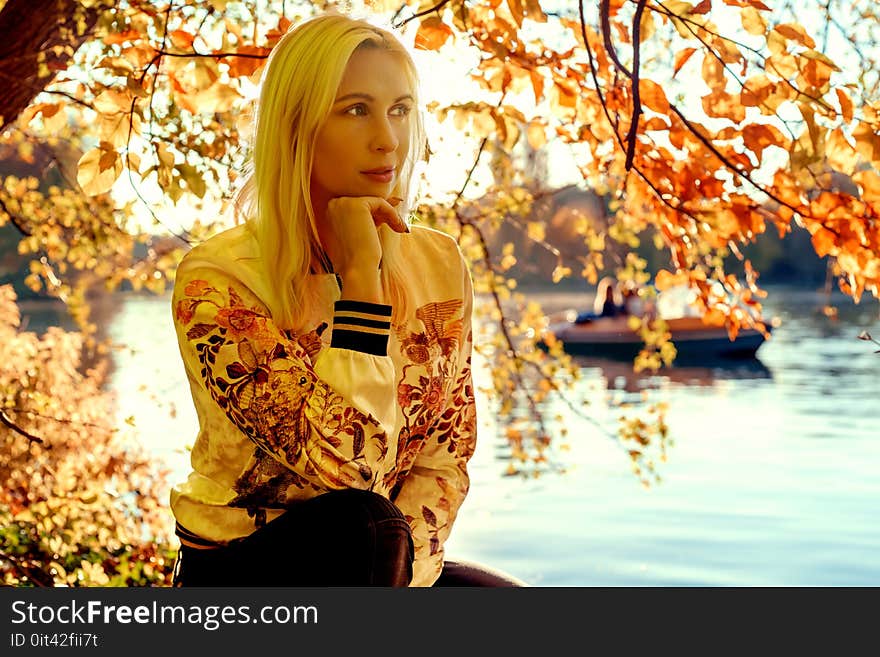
(333, 386)
(607, 303)
(610, 304)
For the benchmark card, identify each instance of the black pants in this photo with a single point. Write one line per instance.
(342, 538)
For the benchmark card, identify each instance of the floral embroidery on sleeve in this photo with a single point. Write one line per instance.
(265, 383)
(439, 432)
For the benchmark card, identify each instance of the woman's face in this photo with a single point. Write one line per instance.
(363, 143)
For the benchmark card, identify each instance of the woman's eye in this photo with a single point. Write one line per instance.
(358, 110)
(401, 110)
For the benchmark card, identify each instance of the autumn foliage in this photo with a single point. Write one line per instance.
(703, 126)
(81, 503)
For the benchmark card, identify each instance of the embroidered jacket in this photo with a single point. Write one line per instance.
(346, 401)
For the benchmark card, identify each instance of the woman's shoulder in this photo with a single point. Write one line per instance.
(434, 243)
(227, 250)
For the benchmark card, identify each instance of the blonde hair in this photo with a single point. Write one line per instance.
(298, 87)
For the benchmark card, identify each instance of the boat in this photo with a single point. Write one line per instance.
(612, 337)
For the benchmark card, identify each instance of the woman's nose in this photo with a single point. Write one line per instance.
(384, 138)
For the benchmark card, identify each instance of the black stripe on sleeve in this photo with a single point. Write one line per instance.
(381, 309)
(368, 343)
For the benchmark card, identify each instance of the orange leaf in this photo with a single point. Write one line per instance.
(665, 280)
(846, 106)
(182, 39)
(537, 84)
(757, 137)
(795, 32)
(756, 90)
(823, 241)
(432, 34)
(108, 159)
(724, 106)
(565, 97)
(516, 10)
(652, 96)
(121, 37)
(534, 11)
(240, 67)
(714, 317)
(681, 58)
(704, 7)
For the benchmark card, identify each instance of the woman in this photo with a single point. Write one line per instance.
(326, 342)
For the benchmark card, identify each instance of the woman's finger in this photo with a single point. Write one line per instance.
(384, 212)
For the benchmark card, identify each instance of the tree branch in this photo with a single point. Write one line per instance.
(637, 103)
(5, 419)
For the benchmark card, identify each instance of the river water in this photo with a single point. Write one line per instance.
(772, 478)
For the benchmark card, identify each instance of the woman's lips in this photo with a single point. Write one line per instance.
(384, 176)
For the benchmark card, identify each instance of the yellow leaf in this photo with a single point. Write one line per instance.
(536, 231)
(535, 134)
(133, 162)
(869, 181)
(815, 55)
(867, 143)
(841, 155)
(166, 157)
(678, 7)
(195, 182)
(91, 177)
(713, 72)
(753, 22)
(112, 102)
(218, 97)
(646, 26)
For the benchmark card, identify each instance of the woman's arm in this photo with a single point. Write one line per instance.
(327, 420)
(434, 489)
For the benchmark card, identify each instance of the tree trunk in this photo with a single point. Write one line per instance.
(27, 28)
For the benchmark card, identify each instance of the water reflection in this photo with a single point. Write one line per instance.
(619, 374)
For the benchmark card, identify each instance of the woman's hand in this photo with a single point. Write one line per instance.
(351, 241)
